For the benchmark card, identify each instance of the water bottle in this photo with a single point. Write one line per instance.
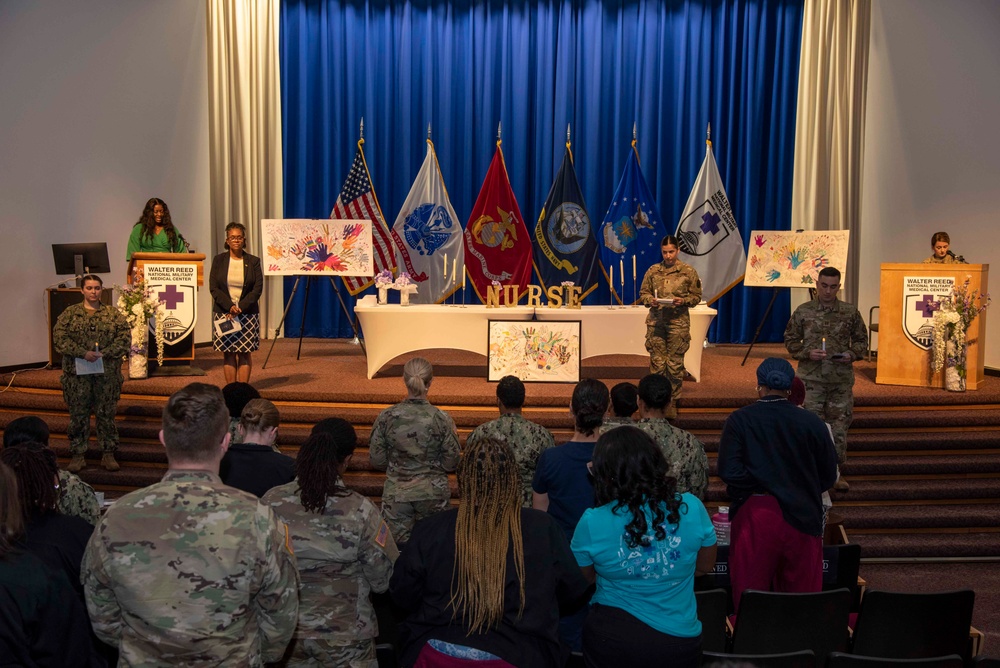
(720, 521)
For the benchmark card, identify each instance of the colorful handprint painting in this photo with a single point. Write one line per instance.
(794, 259)
(302, 247)
(534, 351)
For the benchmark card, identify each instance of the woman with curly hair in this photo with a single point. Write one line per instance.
(155, 232)
(483, 583)
(645, 543)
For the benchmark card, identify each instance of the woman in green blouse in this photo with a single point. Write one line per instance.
(155, 232)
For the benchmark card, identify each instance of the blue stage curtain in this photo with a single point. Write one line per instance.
(668, 67)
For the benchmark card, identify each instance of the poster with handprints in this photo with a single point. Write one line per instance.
(793, 259)
(302, 247)
(537, 352)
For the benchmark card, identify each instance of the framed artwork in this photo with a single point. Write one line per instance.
(534, 351)
(303, 247)
(784, 259)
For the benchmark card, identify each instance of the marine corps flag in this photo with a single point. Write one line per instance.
(709, 239)
(497, 246)
(632, 231)
(565, 246)
(428, 235)
(357, 201)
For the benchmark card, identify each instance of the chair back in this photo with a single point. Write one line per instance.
(773, 623)
(713, 606)
(841, 660)
(841, 566)
(803, 659)
(914, 625)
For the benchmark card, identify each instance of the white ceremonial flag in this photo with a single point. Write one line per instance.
(428, 236)
(709, 237)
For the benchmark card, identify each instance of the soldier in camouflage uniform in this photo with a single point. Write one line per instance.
(76, 497)
(624, 397)
(92, 330)
(417, 445)
(668, 290)
(344, 551)
(524, 437)
(827, 336)
(188, 571)
(685, 454)
(940, 243)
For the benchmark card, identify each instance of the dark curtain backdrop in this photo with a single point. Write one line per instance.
(670, 68)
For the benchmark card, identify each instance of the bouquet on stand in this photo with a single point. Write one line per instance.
(951, 326)
(138, 304)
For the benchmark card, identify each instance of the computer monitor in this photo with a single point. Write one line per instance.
(80, 259)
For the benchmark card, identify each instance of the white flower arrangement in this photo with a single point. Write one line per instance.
(138, 304)
(567, 284)
(402, 281)
(383, 279)
(951, 325)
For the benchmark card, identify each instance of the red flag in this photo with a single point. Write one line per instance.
(497, 245)
(357, 201)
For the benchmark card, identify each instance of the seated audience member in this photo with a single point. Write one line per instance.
(644, 542)
(76, 497)
(623, 406)
(416, 444)
(343, 549)
(44, 622)
(189, 571)
(485, 581)
(562, 484)
(237, 395)
(252, 464)
(684, 453)
(776, 461)
(527, 439)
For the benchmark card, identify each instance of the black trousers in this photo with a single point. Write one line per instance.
(613, 637)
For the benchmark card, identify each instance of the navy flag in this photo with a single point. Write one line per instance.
(631, 233)
(565, 248)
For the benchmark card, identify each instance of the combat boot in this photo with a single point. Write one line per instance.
(76, 464)
(109, 463)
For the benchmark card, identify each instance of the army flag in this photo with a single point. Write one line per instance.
(428, 236)
(565, 245)
(709, 239)
(357, 201)
(631, 233)
(497, 246)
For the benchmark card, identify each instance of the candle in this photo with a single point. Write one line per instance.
(463, 278)
(633, 268)
(445, 269)
(454, 267)
(824, 344)
(621, 270)
(611, 278)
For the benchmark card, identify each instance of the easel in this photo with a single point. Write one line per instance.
(302, 324)
(760, 325)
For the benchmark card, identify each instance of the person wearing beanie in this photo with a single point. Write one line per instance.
(776, 461)
(827, 336)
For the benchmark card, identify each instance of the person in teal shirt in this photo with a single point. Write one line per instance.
(644, 543)
(155, 232)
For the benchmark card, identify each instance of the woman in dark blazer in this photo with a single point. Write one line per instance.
(236, 282)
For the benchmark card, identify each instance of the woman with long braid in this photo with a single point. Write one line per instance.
(644, 542)
(483, 582)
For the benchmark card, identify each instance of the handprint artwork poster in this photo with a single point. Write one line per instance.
(794, 259)
(297, 247)
(534, 351)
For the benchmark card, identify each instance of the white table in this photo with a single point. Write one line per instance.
(391, 330)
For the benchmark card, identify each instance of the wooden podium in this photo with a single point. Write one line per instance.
(179, 275)
(904, 340)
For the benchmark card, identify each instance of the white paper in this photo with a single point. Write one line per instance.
(224, 326)
(85, 368)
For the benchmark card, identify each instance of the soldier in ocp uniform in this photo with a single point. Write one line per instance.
(525, 438)
(344, 551)
(827, 336)
(416, 444)
(684, 453)
(92, 330)
(668, 290)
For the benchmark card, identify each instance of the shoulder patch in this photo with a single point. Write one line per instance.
(382, 535)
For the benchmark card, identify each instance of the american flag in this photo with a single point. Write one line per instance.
(357, 201)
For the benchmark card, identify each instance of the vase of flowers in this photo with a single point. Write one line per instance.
(405, 286)
(567, 287)
(383, 281)
(138, 304)
(951, 326)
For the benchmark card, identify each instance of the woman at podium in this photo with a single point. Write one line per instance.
(940, 243)
(236, 282)
(155, 232)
